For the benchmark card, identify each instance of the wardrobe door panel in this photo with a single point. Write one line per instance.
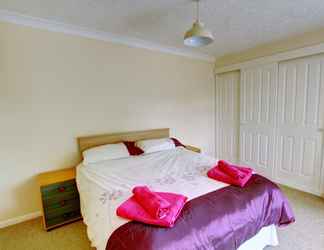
(257, 149)
(227, 115)
(258, 117)
(258, 91)
(300, 123)
(299, 160)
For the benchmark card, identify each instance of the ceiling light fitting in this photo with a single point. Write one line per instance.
(198, 35)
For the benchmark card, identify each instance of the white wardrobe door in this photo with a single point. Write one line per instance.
(227, 115)
(300, 123)
(257, 117)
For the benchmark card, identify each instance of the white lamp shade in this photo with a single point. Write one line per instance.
(198, 36)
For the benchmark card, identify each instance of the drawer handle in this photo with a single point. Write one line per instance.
(69, 215)
(61, 189)
(66, 215)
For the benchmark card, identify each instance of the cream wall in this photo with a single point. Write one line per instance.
(55, 87)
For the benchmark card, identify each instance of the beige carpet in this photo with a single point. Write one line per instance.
(31, 236)
(308, 231)
(306, 234)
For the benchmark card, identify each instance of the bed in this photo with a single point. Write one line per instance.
(105, 185)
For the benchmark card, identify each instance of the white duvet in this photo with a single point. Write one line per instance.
(104, 186)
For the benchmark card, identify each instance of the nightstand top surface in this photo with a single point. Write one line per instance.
(52, 177)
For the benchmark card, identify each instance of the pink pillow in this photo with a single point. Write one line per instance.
(132, 149)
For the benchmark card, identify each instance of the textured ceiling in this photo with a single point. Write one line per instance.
(236, 24)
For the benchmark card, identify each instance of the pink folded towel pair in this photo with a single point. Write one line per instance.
(155, 208)
(230, 173)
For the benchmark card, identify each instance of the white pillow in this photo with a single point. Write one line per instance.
(154, 145)
(105, 152)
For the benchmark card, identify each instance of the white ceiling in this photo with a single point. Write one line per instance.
(236, 24)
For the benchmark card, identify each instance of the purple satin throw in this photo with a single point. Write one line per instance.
(220, 220)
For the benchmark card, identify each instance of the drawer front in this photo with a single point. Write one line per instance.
(59, 189)
(63, 218)
(49, 201)
(61, 207)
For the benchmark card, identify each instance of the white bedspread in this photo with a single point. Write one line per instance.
(104, 186)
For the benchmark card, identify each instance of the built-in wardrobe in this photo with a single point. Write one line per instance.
(270, 116)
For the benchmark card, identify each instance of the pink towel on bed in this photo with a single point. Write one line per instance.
(235, 171)
(229, 175)
(132, 210)
(154, 204)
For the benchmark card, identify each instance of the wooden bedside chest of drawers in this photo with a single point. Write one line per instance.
(59, 197)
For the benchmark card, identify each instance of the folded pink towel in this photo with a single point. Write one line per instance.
(217, 174)
(246, 170)
(154, 204)
(230, 170)
(235, 171)
(132, 210)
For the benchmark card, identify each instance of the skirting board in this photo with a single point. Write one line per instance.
(20, 219)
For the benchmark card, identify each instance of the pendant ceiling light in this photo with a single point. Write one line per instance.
(198, 35)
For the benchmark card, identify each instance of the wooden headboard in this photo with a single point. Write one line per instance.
(87, 142)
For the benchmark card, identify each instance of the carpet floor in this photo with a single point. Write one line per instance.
(306, 234)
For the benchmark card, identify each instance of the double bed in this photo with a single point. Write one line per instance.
(104, 185)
